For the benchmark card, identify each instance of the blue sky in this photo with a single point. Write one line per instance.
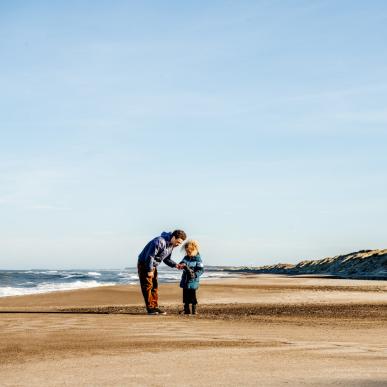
(259, 127)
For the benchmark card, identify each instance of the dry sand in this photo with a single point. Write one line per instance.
(254, 331)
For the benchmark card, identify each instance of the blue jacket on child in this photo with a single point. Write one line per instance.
(195, 263)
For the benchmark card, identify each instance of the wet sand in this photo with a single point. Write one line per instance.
(257, 330)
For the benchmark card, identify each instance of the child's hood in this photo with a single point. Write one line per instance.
(194, 258)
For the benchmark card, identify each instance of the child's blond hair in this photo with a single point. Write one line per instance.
(190, 246)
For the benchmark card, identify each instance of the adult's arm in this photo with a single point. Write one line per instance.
(170, 262)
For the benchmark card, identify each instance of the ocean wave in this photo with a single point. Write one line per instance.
(23, 282)
(50, 287)
(35, 272)
(76, 275)
(129, 276)
(216, 275)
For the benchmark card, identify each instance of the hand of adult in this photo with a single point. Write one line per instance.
(180, 266)
(150, 274)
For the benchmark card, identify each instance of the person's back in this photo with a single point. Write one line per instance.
(157, 250)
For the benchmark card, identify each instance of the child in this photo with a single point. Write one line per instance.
(193, 269)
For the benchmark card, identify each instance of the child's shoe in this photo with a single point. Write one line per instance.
(186, 309)
(194, 309)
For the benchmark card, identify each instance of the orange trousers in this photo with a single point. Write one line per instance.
(149, 286)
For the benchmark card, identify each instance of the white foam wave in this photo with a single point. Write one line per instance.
(94, 273)
(47, 288)
(77, 275)
(215, 275)
(36, 272)
(128, 275)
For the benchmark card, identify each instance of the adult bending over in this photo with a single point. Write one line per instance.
(156, 251)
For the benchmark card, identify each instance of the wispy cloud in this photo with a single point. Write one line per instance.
(367, 116)
(32, 187)
(338, 93)
(49, 207)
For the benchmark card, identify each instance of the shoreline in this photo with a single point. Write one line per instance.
(238, 275)
(252, 288)
(233, 275)
(58, 285)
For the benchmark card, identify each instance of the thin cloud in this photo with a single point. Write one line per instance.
(50, 207)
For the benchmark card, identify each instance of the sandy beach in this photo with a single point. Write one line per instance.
(261, 330)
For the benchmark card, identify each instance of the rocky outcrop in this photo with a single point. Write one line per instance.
(366, 264)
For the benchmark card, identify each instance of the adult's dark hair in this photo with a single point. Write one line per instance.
(179, 234)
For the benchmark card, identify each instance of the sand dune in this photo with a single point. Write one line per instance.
(371, 264)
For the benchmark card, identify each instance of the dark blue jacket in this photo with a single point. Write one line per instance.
(196, 264)
(157, 250)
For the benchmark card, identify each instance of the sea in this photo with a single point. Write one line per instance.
(23, 282)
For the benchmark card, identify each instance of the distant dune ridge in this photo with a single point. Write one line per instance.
(370, 264)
